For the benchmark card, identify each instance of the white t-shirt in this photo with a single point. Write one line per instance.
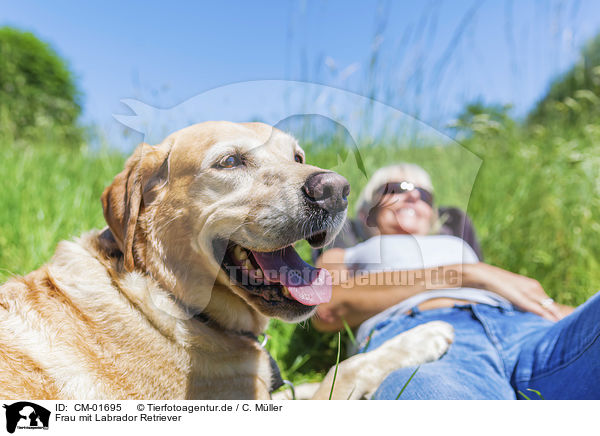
(411, 252)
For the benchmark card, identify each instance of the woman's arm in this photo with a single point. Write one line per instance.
(355, 299)
(363, 296)
(523, 292)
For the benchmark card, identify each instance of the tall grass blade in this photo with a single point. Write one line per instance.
(337, 363)
(524, 396)
(351, 392)
(349, 331)
(369, 340)
(407, 382)
(298, 362)
(538, 393)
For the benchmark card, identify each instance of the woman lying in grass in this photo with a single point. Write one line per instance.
(510, 336)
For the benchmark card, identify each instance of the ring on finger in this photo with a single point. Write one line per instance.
(547, 302)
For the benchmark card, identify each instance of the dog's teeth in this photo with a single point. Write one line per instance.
(239, 253)
(259, 273)
(248, 264)
(286, 292)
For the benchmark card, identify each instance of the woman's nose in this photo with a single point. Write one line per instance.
(413, 195)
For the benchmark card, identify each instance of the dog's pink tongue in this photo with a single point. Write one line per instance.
(307, 284)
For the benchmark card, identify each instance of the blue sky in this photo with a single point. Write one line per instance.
(432, 57)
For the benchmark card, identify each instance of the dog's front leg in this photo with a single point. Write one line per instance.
(360, 375)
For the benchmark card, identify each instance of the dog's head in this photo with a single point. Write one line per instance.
(212, 213)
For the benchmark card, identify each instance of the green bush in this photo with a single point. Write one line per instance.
(573, 97)
(37, 91)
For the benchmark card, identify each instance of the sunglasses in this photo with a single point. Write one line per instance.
(403, 187)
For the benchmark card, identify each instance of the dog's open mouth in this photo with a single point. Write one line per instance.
(277, 276)
(317, 239)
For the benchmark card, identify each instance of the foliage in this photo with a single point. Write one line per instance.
(37, 91)
(480, 118)
(574, 96)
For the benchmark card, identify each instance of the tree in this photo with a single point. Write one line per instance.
(574, 96)
(37, 90)
(481, 118)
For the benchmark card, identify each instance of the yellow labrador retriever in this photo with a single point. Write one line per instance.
(167, 301)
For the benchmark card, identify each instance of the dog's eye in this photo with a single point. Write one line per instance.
(230, 162)
(298, 158)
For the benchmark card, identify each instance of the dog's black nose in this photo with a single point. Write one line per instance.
(328, 190)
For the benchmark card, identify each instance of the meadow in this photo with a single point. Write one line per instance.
(533, 195)
(535, 203)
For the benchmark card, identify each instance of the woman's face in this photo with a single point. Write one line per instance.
(404, 213)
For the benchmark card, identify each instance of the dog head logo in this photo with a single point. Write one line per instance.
(26, 415)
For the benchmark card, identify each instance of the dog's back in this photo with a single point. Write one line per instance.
(21, 376)
(66, 331)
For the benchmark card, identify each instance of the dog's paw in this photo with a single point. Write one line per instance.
(424, 343)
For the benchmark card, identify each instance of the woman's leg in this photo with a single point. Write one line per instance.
(565, 362)
(446, 380)
(471, 369)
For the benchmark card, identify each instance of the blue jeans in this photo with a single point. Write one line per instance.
(499, 352)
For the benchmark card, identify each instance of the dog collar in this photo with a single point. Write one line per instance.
(276, 381)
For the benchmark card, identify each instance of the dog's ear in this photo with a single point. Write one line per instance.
(124, 199)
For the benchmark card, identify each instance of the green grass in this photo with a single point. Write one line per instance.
(337, 364)
(538, 393)
(407, 383)
(533, 196)
(49, 193)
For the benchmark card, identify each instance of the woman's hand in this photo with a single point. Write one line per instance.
(523, 292)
